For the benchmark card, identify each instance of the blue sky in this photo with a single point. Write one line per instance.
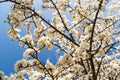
(10, 51)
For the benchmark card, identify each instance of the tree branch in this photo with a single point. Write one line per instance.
(91, 40)
(62, 19)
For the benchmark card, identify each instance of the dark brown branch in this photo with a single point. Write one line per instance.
(99, 65)
(64, 68)
(91, 40)
(59, 47)
(28, 17)
(111, 46)
(83, 66)
(117, 76)
(97, 50)
(34, 22)
(109, 26)
(94, 23)
(59, 15)
(62, 19)
(77, 23)
(3, 1)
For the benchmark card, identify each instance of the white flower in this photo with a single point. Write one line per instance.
(116, 66)
(45, 40)
(118, 38)
(27, 38)
(60, 62)
(28, 52)
(48, 44)
(1, 73)
(13, 33)
(20, 64)
(50, 66)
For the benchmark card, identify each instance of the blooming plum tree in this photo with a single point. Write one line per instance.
(86, 31)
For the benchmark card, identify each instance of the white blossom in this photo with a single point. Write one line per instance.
(84, 33)
(28, 52)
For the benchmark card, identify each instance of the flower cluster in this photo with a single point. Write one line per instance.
(45, 40)
(84, 31)
(13, 33)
